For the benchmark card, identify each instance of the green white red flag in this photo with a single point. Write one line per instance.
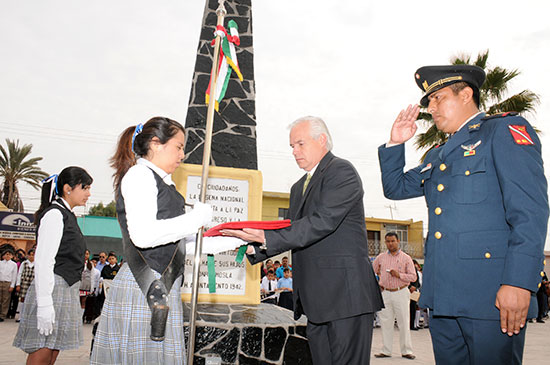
(228, 61)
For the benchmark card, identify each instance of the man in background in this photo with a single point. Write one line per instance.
(396, 271)
(8, 276)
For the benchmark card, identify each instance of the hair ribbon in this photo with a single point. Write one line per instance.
(54, 184)
(137, 131)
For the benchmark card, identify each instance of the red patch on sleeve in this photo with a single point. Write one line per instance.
(520, 134)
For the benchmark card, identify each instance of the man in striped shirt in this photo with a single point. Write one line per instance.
(396, 270)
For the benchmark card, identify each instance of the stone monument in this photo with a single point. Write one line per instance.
(234, 132)
(234, 333)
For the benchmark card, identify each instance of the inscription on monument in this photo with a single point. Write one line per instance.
(229, 200)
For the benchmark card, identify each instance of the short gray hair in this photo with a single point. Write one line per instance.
(317, 126)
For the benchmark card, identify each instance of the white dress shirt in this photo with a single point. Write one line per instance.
(139, 190)
(265, 284)
(8, 271)
(96, 275)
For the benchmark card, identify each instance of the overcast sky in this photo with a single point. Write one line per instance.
(74, 74)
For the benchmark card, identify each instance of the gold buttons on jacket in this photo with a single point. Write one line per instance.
(440, 187)
(487, 255)
(467, 173)
(422, 181)
(438, 211)
(542, 273)
(538, 286)
(437, 235)
(442, 167)
(544, 262)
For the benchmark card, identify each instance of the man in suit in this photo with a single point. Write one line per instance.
(488, 212)
(334, 284)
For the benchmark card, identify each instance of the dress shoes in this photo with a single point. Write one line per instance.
(409, 356)
(381, 355)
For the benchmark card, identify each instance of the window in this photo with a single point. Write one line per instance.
(283, 213)
(402, 231)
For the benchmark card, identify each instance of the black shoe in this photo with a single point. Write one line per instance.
(409, 356)
(414, 328)
(540, 320)
(530, 320)
(381, 355)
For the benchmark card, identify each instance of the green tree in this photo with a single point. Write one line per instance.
(101, 210)
(492, 99)
(16, 166)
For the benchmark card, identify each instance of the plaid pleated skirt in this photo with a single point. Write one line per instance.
(67, 328)
(123, 334)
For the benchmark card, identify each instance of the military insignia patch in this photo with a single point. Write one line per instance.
(470, 150)
(520, 134)
(474, 126)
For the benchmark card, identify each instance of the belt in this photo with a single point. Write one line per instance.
(396, 289)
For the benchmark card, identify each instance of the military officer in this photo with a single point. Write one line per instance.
(488, 212)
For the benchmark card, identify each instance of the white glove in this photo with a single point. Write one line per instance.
(203, 213)
(45, 318)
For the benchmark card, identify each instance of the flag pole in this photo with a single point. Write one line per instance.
(220, 12)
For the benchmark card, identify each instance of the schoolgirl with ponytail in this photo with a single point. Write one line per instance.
(135, 328)
(52, 319)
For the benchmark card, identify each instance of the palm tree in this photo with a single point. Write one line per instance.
(15, 168)
(492, 99)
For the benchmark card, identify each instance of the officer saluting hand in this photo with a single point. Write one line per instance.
(488, 212)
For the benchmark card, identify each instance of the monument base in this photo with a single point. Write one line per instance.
(248, 335)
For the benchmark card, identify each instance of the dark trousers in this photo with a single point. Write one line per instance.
(89, 309)
(463, 341)
(541, 302)
(286, 300)
(14, 302)
(343, 341)
(98, 305)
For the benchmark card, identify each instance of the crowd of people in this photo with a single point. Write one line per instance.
(17, 272)
(276, 283)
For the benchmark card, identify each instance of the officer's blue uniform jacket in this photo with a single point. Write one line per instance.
(488, 215)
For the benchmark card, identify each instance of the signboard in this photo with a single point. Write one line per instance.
(19, 226)
(235, 195)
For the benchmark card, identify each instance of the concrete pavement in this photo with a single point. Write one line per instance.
(537, 347)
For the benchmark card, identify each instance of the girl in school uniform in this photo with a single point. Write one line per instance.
(154, 224)
(52, 318)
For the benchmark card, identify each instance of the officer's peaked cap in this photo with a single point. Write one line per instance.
(432, 78)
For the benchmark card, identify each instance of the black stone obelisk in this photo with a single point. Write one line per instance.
(234, 131)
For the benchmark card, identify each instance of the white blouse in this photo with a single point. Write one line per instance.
(49, 239)
(139, 190)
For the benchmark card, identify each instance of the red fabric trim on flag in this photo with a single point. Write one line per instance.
(520, 134)
(215, 231)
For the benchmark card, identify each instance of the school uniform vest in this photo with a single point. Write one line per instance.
(70, 255)
(27, 276)
(170, 204)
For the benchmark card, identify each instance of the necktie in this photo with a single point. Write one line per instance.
(306, 183)
(269, 285)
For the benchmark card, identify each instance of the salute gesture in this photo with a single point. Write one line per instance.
(404, 126)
